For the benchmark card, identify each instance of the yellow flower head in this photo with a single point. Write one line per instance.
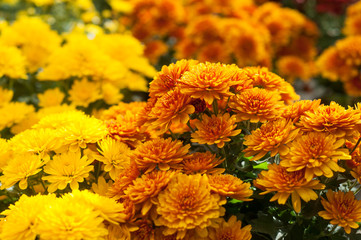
(5, 96)
(215, 129)
(278, 179)
(231, 230)
(12, 62)
(333, 119)
(19, 169)
(317, 153)
(84, 92)
(168, 77)
(146, 188)
(187, 203)
(342, 209)
(5, 153)
(230, 186)
(56, 120)
(51, 97)
(270, 137)
(14, 112)
(202, 162)
(115, 156)
(208, 81)
(256, 105)
(161, 153)
(111, 94)
(67, 168)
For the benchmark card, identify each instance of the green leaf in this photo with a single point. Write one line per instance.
(262, 166)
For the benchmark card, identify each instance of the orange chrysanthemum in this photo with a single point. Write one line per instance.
(261, 77)
(161, 153)
(231, 230)
(256, 105)
(230, 186)
(187, 203)
(271, 136)
(202, 162)
(172, 107)
(342, 209)
(297, 109)
(317, 153)
(147, 187)
(278, 179)
(121, 109)
(333, 119)
(145, 230)
(208, 81)
(168, 77)
(215, 130)
(293, 67)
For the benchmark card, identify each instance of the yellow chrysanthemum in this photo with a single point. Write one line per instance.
(317, 153)
(187, 203)
(161, 153)
(12, 63)
(270, 137)
(111, 94)
(202, 162)
(230, 186)
(14, 112)
(168, 77)
(172, 107)
(115, 156)
(215, 130)
(67, 219)
(67, 168)
(84, 92)
(102, 186)
(5, 96)
(19, 169)
(342, 209)
(56, 120)
(256, 105)
(207, 81)
(231, 230)
(278, 179)
(51, 97)
(146, 188)
(22, 219)
(333, 119)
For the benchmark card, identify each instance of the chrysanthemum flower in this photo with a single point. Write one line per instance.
(293, 67)
(333, 119)
(215, 129)
(84, 92)
(288, 93)
(121, 109)
(187, 203)
(231, 230)
(270, 137)
(115, 156)
(278, 179)
(5, 153)
(51, 97)
(297, 109)
(5, 96)
(342, 209)
(12, 63)
(146, 230)
(161, 153)
(147, 187)
(261, 77)
(67, 168)
(230, 186)
(102, 186)
(20, 168)
(207, 81)
(14, 112)
(125, 178)
(67, 219)
(168, 77)
(172, 107)
(256, 105)
(317, 153)
(202, 162)
(22, 218)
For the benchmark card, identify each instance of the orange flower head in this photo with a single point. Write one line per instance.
(124, 180)
(145, 230)
(202, 162)
(143, 189)
(187, 203)
(317, 153)
(215, 130)
(333, 119)
(349, 49)
(121, 109)
(353, 86)
(261, 77)
(288, 93)
(342, 209)
(207, 81)
(356, 173)
(294, 111)
(231, 230)
(230, 186)
(256, 105)
(293, 67)
(161, 153)
(172, 107)
(278, 179)
(168, 77)
(271, 136)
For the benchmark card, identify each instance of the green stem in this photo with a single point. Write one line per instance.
(215, 107)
